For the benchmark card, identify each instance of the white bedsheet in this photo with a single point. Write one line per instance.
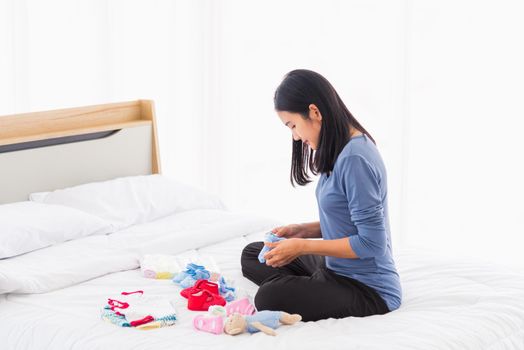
(446, 304)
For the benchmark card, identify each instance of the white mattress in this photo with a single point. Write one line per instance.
(447, 304)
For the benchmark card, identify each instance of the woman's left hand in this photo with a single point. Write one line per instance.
(283, 252)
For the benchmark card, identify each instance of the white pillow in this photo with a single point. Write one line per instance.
(27, 226)
(126, 201)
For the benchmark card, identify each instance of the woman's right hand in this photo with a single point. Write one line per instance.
(290, 231)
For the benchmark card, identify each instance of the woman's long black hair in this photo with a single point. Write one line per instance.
(296, 92)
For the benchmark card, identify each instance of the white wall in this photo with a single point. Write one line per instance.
(437, 83)
(465, 169)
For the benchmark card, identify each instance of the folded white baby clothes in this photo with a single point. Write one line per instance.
(123, 300)
(138, 309)
(159, 266)
(153, 308)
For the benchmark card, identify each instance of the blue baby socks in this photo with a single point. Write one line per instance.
(270, 237)
(192, 273)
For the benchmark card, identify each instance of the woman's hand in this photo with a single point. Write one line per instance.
(289, 231)
(284, 252)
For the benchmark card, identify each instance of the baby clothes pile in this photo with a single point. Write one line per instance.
(159, 266)
(162, 266)
(205, 290)
(194, 273)
(134, 309)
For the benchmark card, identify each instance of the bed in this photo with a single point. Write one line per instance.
(50, 298)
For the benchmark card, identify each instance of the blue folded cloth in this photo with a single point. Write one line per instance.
(192, 273)
(270, 237)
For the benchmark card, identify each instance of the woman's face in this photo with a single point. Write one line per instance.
(305, 130)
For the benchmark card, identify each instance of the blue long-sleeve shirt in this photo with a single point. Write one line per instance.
(352, 203)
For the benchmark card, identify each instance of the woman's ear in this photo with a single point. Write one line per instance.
(314, 112)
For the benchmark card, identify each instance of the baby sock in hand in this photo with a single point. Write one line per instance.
(270, 237)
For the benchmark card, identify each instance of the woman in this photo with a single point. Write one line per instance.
(350, 271)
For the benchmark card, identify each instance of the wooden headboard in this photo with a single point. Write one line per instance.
(44, 151)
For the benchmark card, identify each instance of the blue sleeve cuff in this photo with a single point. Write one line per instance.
(367, 249)
(356, 245)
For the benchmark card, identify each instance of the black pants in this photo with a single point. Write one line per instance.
(306, 287)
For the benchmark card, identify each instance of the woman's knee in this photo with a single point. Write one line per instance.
(269, 295)
(250, 252)
(263, 299)
(249, 261)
